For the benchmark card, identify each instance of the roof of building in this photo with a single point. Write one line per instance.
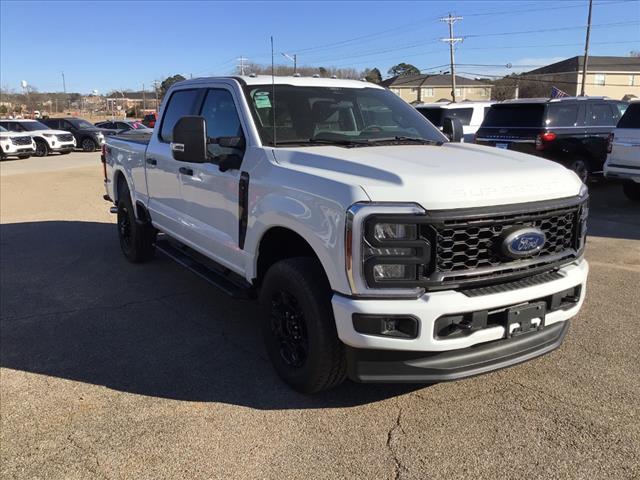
(430, 81)
(595, 64)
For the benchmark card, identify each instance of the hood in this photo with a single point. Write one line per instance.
(453, 175)
(50, 130)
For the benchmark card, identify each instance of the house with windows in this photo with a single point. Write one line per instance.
(614, 77)
(432, 88)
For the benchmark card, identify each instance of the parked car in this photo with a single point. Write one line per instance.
(149, 120)
(47, 139)
(623, 161)
(572, 131)
(470, 114)
(120, 126)
(378, 249)
(15, 144)
(88, 137)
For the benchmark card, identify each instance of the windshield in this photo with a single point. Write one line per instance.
(515, 116)
(83, 124)
(32, 126)
(340, 116)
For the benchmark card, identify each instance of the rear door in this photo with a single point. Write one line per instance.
(166, 203)
(601, 120)
(625, 149)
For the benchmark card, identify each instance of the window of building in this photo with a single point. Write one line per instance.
(396, 91)
(600, 79)
(414, 90)
(458, 92)
(427, 92)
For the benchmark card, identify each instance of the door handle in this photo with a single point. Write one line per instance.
(186, 171)
(152, 161)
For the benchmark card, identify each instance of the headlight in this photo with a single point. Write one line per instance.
(385, 254)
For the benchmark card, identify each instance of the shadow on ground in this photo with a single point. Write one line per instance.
(611, 213)
(72, 307)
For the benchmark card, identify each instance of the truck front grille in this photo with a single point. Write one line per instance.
(24, 140)
(466, 245)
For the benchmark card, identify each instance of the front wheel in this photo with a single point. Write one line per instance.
(42, 149)
(88, 145)
(299, 328)
(632, 191)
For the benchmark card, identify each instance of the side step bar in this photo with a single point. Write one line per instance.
(218, 276)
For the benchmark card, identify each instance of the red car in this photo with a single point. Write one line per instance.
(149, 120)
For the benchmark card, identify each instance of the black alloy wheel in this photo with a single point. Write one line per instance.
(42, 150)
(88, 145)
(289, 329)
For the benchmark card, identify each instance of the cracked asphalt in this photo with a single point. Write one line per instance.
(117, 371)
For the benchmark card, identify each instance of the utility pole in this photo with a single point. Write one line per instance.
(64, 89)
(294, 59)
(155, 86)
(452, 41)
(241, 66)
(144, 98)
(585, 60)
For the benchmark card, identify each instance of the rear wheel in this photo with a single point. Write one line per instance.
(632, 190)
(136, 237)
(88, 145)
(42, 149)
(299, 329)
(581, 168)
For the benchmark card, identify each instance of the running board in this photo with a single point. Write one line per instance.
(218, 276)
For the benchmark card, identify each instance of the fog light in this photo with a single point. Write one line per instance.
(394, 272)
(397, 326)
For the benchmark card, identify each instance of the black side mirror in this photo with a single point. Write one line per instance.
(452, 128)
(190, 140)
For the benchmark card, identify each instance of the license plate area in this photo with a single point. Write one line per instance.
(504, 146)
(524, 319)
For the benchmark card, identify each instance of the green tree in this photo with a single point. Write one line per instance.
(372, 75)
(167, 82)
(403, 70)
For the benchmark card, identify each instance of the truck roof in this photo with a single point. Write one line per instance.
(288, 80)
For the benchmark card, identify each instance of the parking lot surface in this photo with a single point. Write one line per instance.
(113, 370)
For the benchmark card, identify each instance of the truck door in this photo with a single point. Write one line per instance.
(212, 196)
(166, 203)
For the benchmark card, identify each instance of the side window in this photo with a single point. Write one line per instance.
(222, 119)
(180, 104)
(121, 126)
(601, 115)
(67, 125)
(562, 115)
(462, 114)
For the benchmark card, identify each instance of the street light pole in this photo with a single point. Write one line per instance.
(294, 59)
(585, 60)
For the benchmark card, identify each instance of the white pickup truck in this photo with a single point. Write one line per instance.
(380, 250)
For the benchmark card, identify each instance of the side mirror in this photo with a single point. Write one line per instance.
(452, 128)
(190, 140)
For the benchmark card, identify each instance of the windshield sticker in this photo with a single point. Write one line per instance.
(261, 100)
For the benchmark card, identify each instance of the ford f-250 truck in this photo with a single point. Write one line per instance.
(380, 250)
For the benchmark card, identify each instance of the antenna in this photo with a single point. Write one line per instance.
(273, 93)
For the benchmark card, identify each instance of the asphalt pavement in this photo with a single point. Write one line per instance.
(118, 371)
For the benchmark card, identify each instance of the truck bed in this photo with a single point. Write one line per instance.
(134, 137)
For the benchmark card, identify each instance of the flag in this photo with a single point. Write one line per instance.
(557, 93)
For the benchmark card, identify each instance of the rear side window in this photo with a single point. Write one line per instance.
(514, 116)
(562, 115)
(631, 118)
(462, 114)
(181, 103)
(601, 115)
(434, 115)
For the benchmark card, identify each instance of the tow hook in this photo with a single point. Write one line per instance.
(113, 209)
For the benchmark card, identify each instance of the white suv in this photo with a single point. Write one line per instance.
(15, 145)
(47, 140)
(470, 115)
(623, 161)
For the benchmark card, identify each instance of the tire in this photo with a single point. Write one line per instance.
(305, 351)
(42, 148)
(632, 191)
(24, 157)
(581, 168)
(136, 237)
(88, 145)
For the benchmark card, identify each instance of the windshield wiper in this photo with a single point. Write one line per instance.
(402, 138)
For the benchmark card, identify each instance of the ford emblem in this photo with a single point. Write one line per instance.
(523, 242)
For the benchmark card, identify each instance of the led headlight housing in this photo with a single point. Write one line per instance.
(385, 253)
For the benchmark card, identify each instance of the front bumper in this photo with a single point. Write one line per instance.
(9, 149)
(435, 305)
(63, 147)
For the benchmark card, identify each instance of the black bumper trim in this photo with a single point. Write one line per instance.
(391, 366)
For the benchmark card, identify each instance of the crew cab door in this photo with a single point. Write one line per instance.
(166, 203)
(211, 195)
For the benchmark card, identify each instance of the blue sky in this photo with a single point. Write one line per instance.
(117, 45)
